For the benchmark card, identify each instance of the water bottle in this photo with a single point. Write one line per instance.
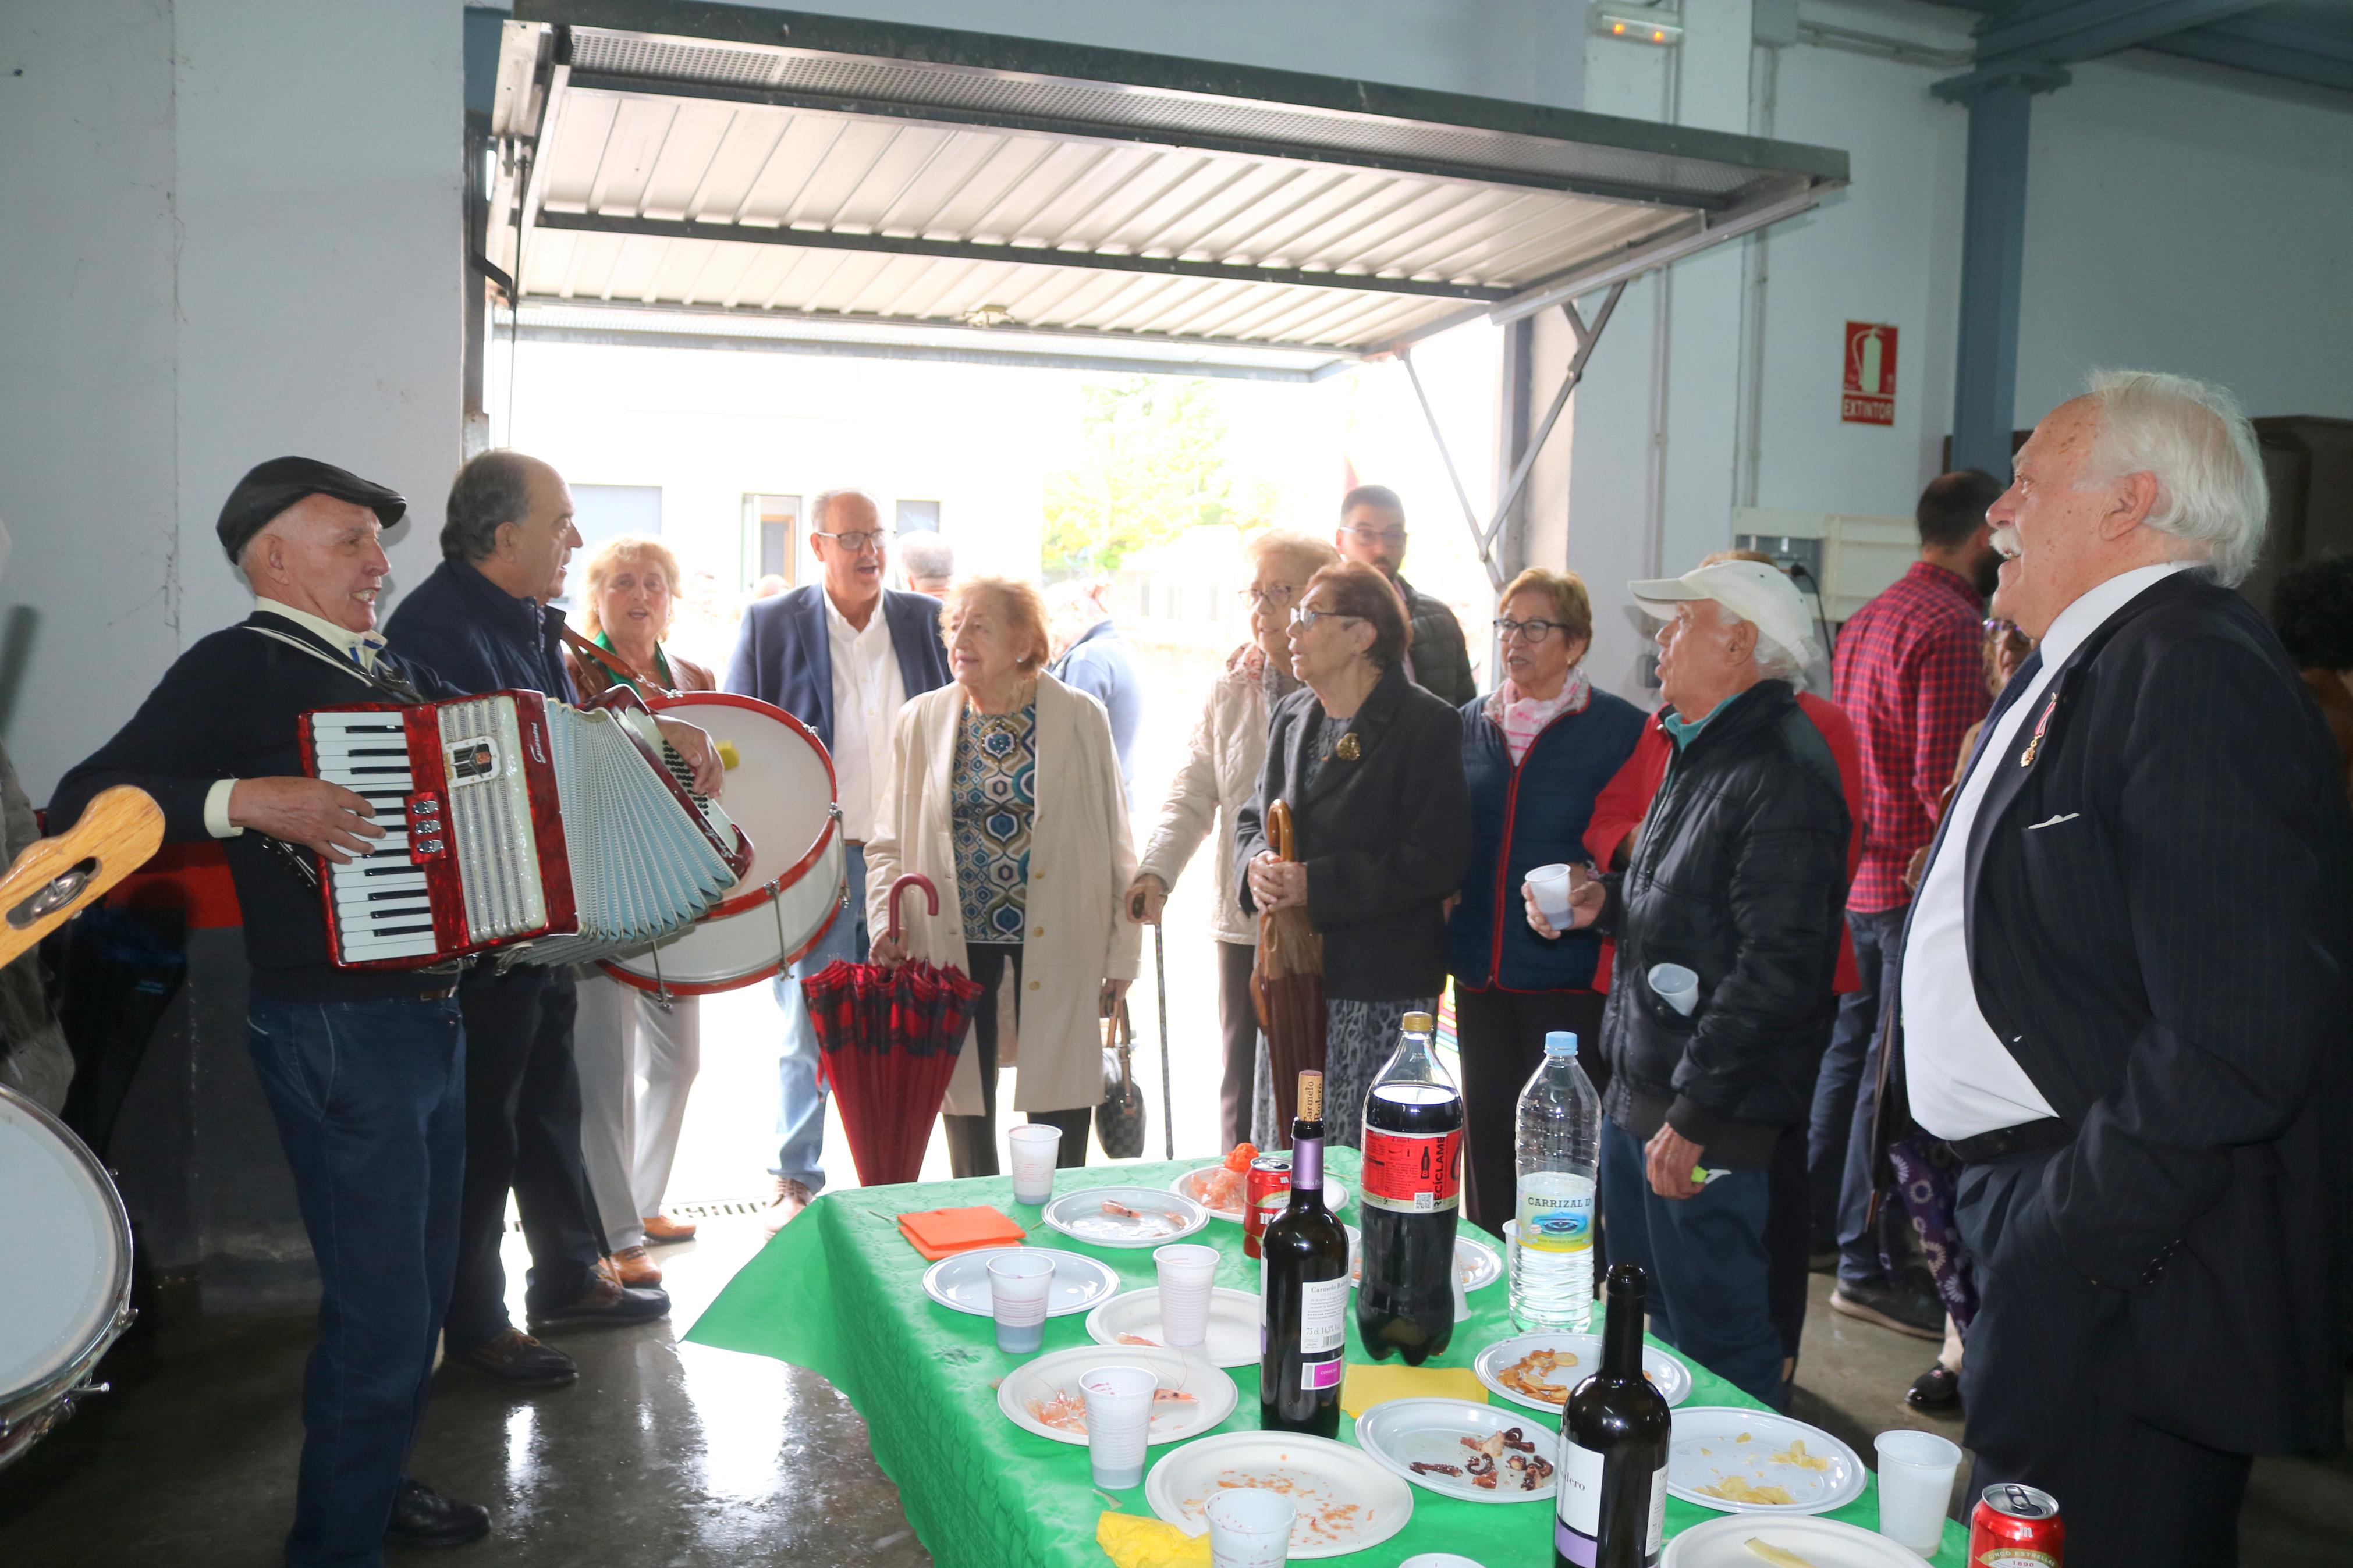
(1560, 1149)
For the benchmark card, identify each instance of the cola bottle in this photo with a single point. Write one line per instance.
(1411, 1190)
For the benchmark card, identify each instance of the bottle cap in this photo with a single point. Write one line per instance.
(1419, 1022)
(1560, 1043)
(1310, 1096)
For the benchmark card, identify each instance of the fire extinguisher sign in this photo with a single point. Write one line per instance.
(1869, 397)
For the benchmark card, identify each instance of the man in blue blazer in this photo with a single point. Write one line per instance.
(842, 656)
(2125, 991)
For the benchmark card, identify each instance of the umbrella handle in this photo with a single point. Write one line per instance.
(1280, 830)
(931, 898)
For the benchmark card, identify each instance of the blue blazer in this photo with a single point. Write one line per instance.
(784, 655)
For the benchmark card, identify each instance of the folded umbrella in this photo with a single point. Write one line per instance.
(1287, 983)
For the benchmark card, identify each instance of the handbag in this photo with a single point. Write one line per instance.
(1119, 1118)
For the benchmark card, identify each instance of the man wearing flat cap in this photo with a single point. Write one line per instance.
(365, 1070)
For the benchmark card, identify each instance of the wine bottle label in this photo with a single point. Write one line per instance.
(1577, 1522)
(1556, 1211)
(1322, 1316)
(1412, 1173)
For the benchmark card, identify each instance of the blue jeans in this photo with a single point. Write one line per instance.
(1707, 1259)
(1838, 1144)
(800, 1103)
(370, 1101)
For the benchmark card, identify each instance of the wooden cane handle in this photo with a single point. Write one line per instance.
(55, 878)
(1280, 830)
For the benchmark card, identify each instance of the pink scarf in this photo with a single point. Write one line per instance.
(1523, 719)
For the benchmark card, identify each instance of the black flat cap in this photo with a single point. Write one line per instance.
(271, 487)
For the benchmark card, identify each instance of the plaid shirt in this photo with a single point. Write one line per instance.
(1909, 670)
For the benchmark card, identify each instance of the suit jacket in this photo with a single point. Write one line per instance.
(783, 654)
(1385, 837)
(2159, 927)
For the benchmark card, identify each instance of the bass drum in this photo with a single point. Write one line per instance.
(57, 1318)
(780, 792)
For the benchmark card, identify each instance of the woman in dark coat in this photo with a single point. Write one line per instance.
(1372, 767)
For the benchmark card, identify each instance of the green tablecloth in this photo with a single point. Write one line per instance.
(840, 1292)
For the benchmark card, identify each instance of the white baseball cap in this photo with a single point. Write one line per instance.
(1760, 594)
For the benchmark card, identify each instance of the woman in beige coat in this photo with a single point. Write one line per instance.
(1219, 778)
(1004, 791)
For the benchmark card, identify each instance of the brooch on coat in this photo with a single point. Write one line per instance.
(1347, 750)
(2034, 741)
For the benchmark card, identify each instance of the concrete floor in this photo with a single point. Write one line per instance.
(683, 1457)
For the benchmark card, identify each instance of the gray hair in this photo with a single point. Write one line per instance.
(2192, 438)
(926, 554)
(820, 502)
(1774, 662)
(491, 489)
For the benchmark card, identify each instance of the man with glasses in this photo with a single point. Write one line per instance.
(842, 655)
(1372, 530)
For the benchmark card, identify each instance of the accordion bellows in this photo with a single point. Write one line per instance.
(509, 819)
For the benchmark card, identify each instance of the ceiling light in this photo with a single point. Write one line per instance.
(1652, 25)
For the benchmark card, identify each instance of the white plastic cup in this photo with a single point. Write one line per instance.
(1119, 1423)
(1188, 1273)
(1250, 1527)
(1019, 1284)
(1552, 886)
(1678, 987)
(1034, 1147)
(1916, 1487)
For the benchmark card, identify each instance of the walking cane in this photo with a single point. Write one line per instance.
(1160, 985)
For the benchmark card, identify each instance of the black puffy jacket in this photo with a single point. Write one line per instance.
(1740, 875)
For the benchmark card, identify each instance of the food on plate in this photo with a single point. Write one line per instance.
(1174, 1396)
(1533, 1375)
(1795, 1454)
(1518, 1466)
(1323, 1520)
(1066, 1411)
(1530, 1471)
(1223, 1188)
(1121, 1211)
(1741, 1490)
(1136, 1339)
(1420, 1467)
(1779, 1556)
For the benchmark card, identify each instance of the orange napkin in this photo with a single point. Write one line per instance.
(938, 1232)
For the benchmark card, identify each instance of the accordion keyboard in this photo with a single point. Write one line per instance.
(381, 907)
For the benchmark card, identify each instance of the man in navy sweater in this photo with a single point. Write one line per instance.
(365, 1070)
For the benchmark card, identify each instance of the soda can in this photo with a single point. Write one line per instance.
(2016, 1526)
(1265, 1194)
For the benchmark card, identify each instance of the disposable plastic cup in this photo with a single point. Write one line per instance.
(1188, 1274)
(1250, 1527)
(1019, 1284)
(1916, 1487)
(1678, 987)
(1552, 885)
(1035, 1149)
(1119, 1423)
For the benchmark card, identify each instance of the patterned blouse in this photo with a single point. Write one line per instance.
(993, 795)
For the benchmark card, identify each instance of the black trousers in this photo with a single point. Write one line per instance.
(523, 1132)
(972, 1139)
(2132, 1494)
(1238, 1022)
(1501, 1034)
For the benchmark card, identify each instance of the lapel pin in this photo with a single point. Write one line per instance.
(2034, 743)
(1347, 750)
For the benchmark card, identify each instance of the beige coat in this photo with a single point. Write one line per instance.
(1081, 859)
(1219, 778)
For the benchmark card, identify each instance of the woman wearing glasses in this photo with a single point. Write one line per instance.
(1536, 751)
(1371, 765)
(1219, 778)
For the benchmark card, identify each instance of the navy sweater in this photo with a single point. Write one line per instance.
(469, 629)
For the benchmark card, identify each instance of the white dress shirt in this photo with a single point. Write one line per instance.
(868, 693)
(1962, 1079)
(360, 646)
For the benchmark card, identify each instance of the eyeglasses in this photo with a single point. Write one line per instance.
(1304, 618)
(1531, 631)
(1278, 595)
(1390, 536)
(861, 541)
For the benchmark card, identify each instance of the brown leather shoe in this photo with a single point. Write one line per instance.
(632, 1267)
(791, 1198)
(661, 1229)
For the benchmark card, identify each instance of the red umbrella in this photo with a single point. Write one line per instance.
(889, 1039)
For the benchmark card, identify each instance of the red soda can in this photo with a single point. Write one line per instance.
(1265, 1194)
(2016, 1526)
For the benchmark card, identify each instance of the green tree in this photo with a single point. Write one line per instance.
(1154, 466)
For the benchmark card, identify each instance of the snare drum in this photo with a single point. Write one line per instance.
(780, 792)
(57, 1320)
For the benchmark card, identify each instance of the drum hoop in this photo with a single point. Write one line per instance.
(752, 898)
(71, 1373)
(835, 907)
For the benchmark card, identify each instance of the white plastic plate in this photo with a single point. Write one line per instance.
(960, 1282)
(1825, 1542)
(1126, 1216)
(1189, 1185)
(1233, 1324)
(1401, 1432)
(1056, 1374)
(1714, 1443)
(1346, 1501)
(1665, 1372)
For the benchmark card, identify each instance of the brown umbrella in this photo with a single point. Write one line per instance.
(1287, 981)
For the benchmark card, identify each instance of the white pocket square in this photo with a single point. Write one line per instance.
(2055, 821)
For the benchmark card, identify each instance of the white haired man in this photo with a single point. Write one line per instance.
(2123, 994)
(1740, 875)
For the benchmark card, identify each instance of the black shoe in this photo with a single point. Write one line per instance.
(608, 1301)
(423, 1516)
(515, 1357)
(1824, 1259)
(1908, 1308)
(1936, 1389)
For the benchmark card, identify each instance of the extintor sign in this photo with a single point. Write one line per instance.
(1869, 397)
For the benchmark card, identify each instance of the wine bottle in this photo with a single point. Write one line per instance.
(1614, 1434)
(1303, 1299)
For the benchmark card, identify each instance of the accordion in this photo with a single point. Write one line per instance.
(510, 819)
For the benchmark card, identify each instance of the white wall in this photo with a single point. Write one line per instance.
(233, 235)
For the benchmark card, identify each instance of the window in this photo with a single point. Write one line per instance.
(771, 535)
(919, 517)
(605, 512)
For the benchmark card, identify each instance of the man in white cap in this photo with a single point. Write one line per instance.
(1739, 877)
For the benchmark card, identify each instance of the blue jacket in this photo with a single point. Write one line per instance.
(1099, 664)
(1525, 816)
(478, 637)
(784, 655)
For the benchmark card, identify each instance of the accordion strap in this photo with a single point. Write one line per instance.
(399, 691)
(613, 667)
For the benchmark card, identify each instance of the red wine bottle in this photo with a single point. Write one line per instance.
(1614, 1434)
(1304, 1307)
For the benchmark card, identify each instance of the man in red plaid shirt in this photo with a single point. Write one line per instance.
(1909, 672)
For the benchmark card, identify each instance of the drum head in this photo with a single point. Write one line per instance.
(780, 792)
(63, 1301)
